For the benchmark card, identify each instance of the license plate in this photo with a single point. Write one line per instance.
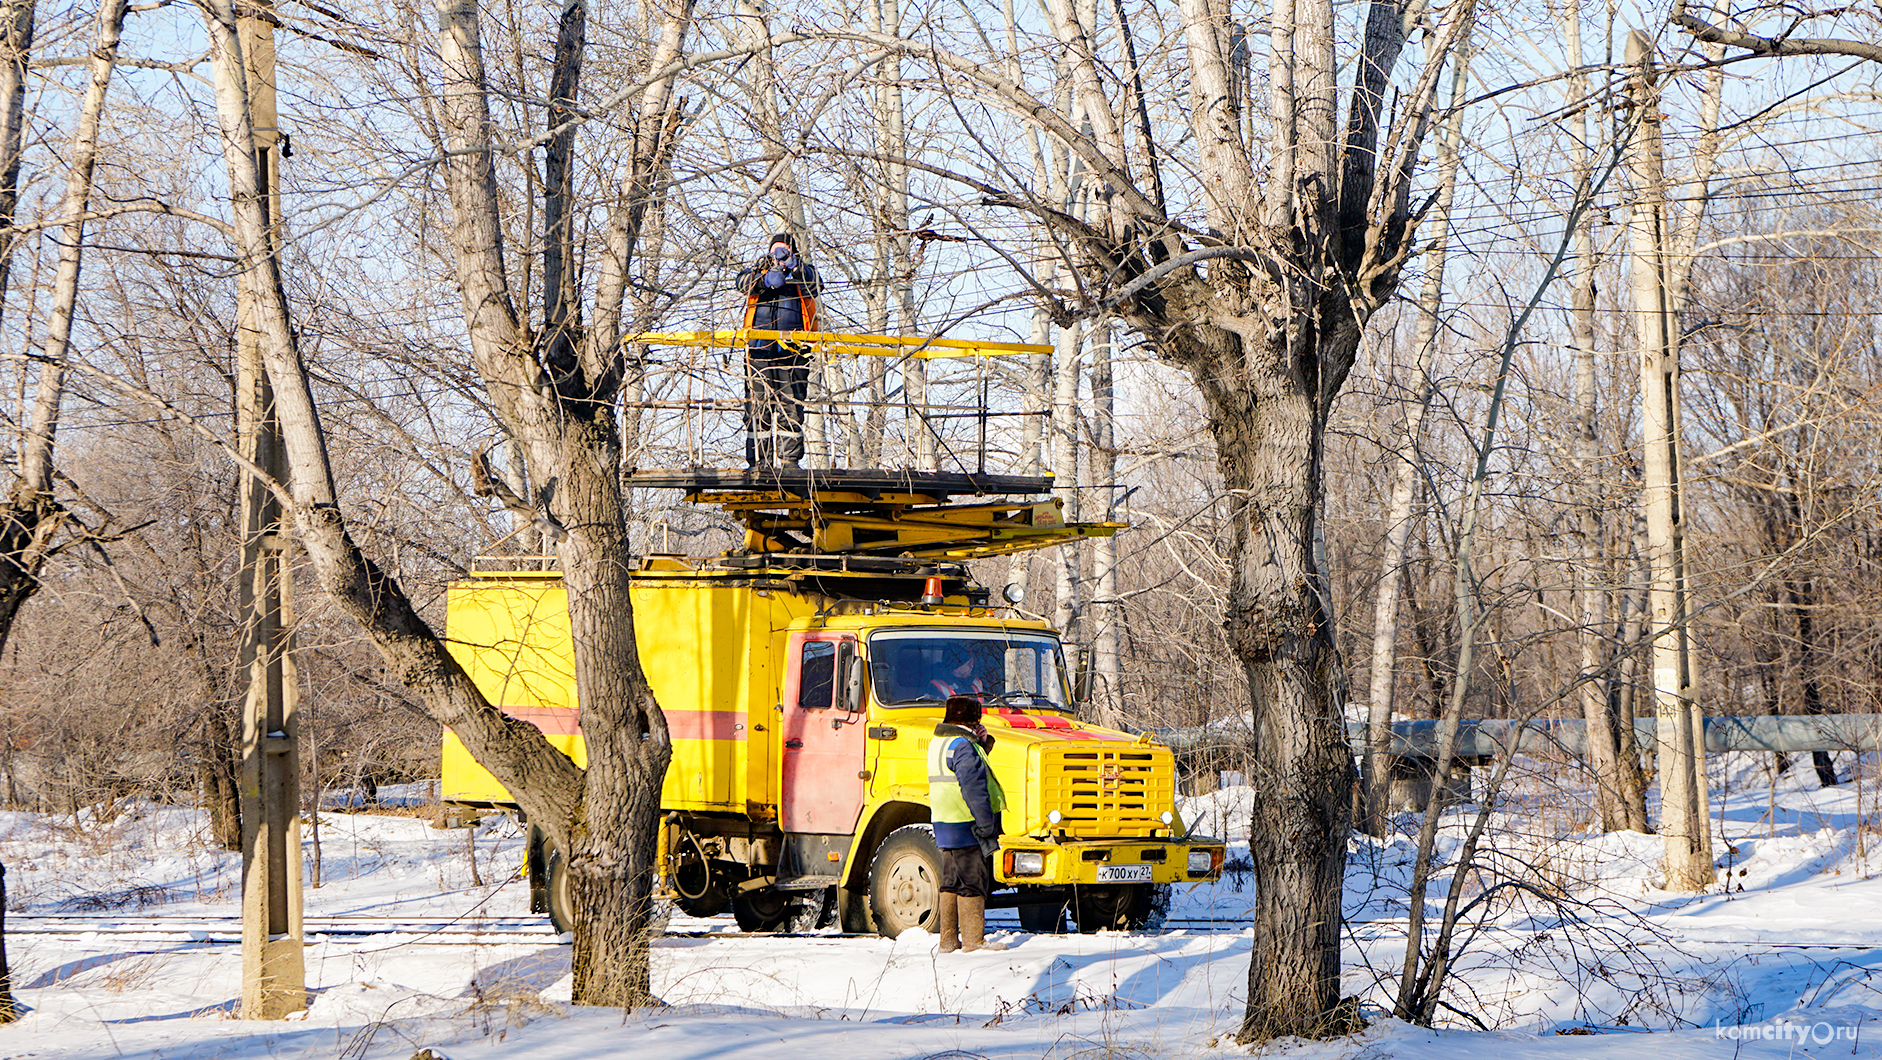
(1123, 874)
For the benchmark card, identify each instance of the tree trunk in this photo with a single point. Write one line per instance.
(1305, 238)
(612, 839)
(1270, 445)
(543, 781)
(9, 1008)
(218, 769)
(1801, 596)
(1620, 792)
(1683, 801)
(1067, 365)
(30, 517)
(1107, 611)
(16, 47)
(568, 434)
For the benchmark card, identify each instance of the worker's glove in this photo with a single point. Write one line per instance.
(774, 279)
(989, 841)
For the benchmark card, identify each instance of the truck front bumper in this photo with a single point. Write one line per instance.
(1105, 862)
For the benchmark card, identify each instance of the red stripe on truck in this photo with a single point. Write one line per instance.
(681, 724)
(553, 721)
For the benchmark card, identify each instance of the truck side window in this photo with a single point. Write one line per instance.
(816, 680)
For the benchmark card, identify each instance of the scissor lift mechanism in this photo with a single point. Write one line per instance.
(912, 515)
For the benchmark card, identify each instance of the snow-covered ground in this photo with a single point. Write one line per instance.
(1591, 961)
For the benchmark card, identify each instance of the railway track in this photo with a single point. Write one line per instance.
(229, 929)
(487, 930)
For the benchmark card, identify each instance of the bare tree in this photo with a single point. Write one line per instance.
(31, 517)
(1261, 299)
(1375, 763)
(1613, 755)
(553, 389)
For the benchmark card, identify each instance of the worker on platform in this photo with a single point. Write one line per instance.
(781, 293)
(964, 802)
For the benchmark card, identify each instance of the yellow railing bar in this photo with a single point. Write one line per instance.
(839, 343)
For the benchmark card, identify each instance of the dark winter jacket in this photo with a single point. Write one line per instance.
(791, 305)
(970, 771)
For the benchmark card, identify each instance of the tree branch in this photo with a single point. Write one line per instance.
(1773, 46)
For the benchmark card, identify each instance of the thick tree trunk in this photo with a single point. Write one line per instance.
(29, 520)
(566, 428)
(1269, 436)
(612, 839)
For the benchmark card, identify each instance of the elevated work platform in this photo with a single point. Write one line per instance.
(926, 487)
(900, 515)
(920, 347)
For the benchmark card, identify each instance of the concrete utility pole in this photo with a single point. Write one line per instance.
(274, 982)
(1684, 818)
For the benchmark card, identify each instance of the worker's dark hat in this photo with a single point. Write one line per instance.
(962, 710)
(785, 238)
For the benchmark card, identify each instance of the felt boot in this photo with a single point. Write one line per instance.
(973, 915)
(947, 921)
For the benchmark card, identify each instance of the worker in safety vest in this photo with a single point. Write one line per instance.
(964, 802)
(780, 295)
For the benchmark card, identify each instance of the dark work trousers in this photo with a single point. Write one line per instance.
(777, 382)
(965, 871)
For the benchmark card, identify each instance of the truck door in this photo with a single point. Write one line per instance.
(823, 734)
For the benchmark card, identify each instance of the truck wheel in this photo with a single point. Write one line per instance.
(1124, 907)
(852, 908)
(1043, 919)
(763, 911)
(561, 907)
(905, 881)
(701, 891)
(814, 911)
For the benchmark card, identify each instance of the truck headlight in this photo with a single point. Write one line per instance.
(1054, 817)
(1201, 862)
(1025, 863)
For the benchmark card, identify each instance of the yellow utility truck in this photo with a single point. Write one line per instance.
(801, 678)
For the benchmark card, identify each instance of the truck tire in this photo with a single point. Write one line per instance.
(1043, 919)
(1121, 907)
(701, 891)
(763, 911)
(905, 881)
(555, 868)
(852, 911)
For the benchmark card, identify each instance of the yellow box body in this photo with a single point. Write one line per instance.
(713, 643)
(713, 651)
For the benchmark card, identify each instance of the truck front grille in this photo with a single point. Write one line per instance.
(1106, 792)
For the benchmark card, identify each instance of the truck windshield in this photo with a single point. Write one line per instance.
(908, 667)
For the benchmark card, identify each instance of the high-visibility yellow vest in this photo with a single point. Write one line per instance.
(945, 801)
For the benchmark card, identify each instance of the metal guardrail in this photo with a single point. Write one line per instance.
(1419, 739)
